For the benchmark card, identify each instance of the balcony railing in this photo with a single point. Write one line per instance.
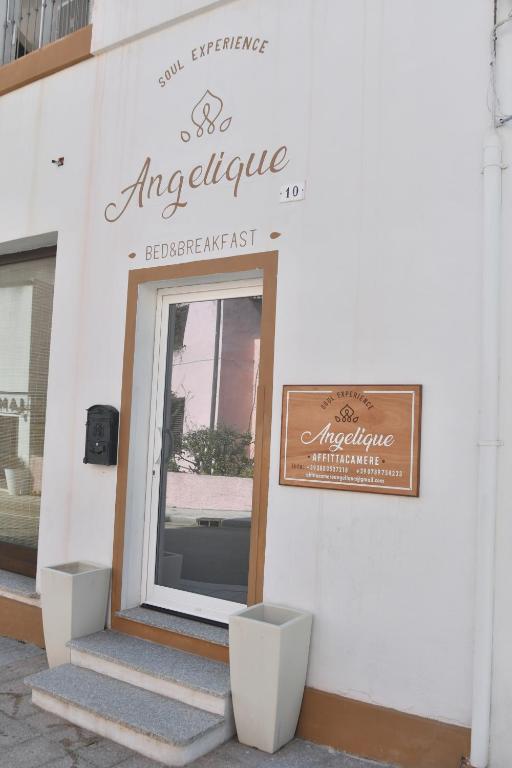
(26, 25)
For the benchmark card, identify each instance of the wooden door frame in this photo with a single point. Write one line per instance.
(267, 263)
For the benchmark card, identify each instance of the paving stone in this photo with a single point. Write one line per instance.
(70, 761)
(137, 761)
(12, 651)
(31, 665)
(68, 735)
(16, 704)
(16, 699)
(42, 720)
(54, 728)
(105, 754)
(297, 754)
(32, 754)
(13, 731)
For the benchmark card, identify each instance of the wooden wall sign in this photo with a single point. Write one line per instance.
(352, 437)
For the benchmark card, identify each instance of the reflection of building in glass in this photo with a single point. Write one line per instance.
(215, 367)
(239, 362)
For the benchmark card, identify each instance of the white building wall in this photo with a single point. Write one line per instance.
(382, 105)
(38, 123)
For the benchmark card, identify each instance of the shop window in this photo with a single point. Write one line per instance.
(26, 303)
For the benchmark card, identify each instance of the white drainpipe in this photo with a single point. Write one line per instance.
(488, 444)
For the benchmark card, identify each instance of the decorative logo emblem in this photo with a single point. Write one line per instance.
(347, 415)
(204, 116)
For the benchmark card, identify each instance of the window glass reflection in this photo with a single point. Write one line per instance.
(208, 447)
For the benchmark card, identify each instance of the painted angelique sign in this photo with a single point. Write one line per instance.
(175, 183)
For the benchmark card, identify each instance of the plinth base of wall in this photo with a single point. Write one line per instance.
(387, 735)
(21, 620)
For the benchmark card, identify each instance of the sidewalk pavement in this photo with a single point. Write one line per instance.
(32, 738)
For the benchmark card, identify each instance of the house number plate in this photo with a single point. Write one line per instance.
(290, 193)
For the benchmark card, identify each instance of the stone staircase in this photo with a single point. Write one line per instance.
(166, 704)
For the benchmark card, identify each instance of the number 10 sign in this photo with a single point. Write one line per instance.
(290, 193)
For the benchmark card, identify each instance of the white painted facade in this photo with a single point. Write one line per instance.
(383, 109)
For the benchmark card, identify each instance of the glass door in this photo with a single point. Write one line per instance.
(201, 458)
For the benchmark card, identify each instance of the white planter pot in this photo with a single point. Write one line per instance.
(74, 599)
(18, 480)
(268, 657)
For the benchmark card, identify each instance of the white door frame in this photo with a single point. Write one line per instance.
(153, 594)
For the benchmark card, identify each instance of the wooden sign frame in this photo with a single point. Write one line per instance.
(352, 437)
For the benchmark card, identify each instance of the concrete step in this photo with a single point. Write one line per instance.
(170, 732)
(185, 677)
(178, 624)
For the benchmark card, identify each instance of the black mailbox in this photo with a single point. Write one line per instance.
(101, 435)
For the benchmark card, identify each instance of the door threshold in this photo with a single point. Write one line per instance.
(158, 623)
(181, 615)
